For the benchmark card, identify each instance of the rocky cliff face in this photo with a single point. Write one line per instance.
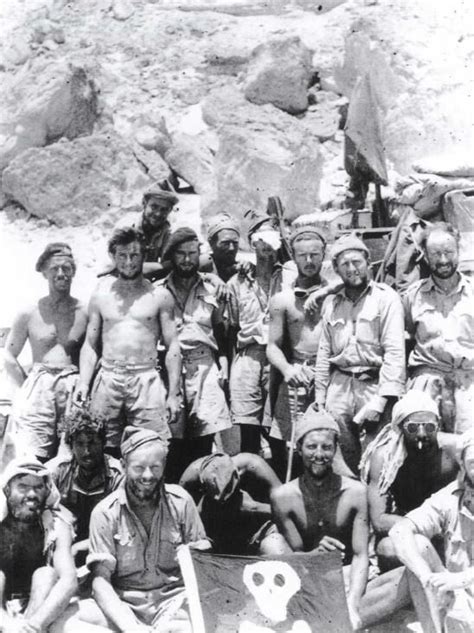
(242, 99)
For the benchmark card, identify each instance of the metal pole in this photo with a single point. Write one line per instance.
(294, 419)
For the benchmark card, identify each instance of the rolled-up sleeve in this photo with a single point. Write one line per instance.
(393, 370)
(430, 519)
(192, 524)
(101, 537)
(322, 368)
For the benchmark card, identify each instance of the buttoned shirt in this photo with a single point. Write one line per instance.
(155, 240)
(444, 514)
(81, 499)
(138, 560)
(442, 324)
(248, 307)
(362, 335)
(194, 317)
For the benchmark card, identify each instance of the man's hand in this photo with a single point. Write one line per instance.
(314, 301)
(246, 269)
(219, 286)
(294, 377)
(445, 581)
(27, 626)
(366, 415)
(330, 544)
(224, 369)
(173, 403)
(80, 394)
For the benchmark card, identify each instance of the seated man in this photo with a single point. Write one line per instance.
(134, 534)
(37, 574)
(234, 494)
(443, 594)
(407, 462)
(322, 512)
(87, 475)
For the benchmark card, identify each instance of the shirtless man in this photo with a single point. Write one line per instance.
(37, 574)
(293, 339)
(233, 500)
(323, 512)
(55, 327)
(407, 462)
(127, 318)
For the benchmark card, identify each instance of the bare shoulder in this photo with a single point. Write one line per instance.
(355, 491)
(163, 296)
(281, 300)
(285, 495)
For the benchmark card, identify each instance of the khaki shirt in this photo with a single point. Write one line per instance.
(141, 561)
(248, 308)
(363, 335)
(194, 318)
(155, 241)
(441, 324)
(444, 514)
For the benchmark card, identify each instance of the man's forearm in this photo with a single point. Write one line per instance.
(358, 579)
(277, 358)
(87, 364)
(403, 539)
(173, 367)
(120, 614)
(56, 602)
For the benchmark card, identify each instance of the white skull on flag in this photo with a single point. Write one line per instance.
(272, 583)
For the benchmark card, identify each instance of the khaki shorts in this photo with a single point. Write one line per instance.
(249, 385)
(129, 394)
(205, 408)
(37, 416)
(284, 415)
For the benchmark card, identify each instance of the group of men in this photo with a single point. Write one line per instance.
(182, 370)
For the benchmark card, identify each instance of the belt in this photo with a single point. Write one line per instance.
(122, 367)
(198, 352)
(365, 375)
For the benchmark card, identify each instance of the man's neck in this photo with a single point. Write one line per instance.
(149, 229)
(131, 284)
(447, 285)
(57, 298)
(308, 282)
(264, 270)
(142, 506)
(184, 283)
(312, 480)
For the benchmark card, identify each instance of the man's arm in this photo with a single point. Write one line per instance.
(322, 368)
(90, 349)
(173, 353)
(281, 501)
(190, 479)
(14, 344)
(276, 333)
(379, 517)
(253, 467)
(120, 614)
(360, 558)
(219, 329)
(66, 585)
(393, 371)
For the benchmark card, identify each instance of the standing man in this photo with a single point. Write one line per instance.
(55, 327)
(223, 235)
(37, 573)
(201, 334)
(248, 300)
(438, 316)
(443, 593)
(134, 534)
(153, 222)
(407, 462)
(293, 340)
(360, 364)
(127, 318)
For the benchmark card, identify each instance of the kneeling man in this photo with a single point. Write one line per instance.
(37, 574)
(134, 534)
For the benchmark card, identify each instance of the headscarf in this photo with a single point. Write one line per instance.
(133, 437)
(22, 466)
(178, 237)
(53, 249)
(314, 420)
(302, 229)
(167, 198)
(259, 220)
(347, 243)
(392, 440)
(220, 222)
(219, 474)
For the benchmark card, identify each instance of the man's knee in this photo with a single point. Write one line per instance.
(386, 555)
(43, 577)
(274, 545)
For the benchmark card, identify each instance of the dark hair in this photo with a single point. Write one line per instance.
(439, 227)
(80, 420)
(124, 236)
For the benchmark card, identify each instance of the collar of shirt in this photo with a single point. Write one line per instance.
(430, 285)
(342, 292)
(98, 481)
(201, 287)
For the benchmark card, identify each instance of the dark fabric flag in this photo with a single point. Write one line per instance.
(301, 593)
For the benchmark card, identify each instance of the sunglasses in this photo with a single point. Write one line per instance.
(412, 427)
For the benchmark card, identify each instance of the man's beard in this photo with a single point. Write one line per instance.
(141, 494)
(21, 512)
(186, 273)
(130, 277)
(450, 270)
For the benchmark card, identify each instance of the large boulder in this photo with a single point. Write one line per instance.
(279, 72)
(192, 159)
(72, 183)
(262, 152)
(44, 102)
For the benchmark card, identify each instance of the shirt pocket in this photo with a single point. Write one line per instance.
(368, 327)
(429, 323)
(129, 557)
(167, 560)
(340, 333)
(465, 328)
